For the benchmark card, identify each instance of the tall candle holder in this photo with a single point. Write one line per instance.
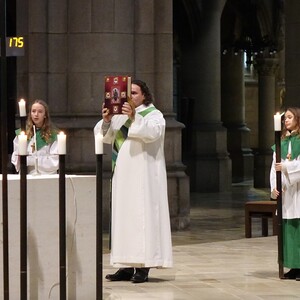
(23, 227)
(4, 150)
(62, 227)
(23, 201)
(277, 127)
(99, 233)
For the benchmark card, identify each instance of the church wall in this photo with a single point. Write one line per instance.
(72, 45)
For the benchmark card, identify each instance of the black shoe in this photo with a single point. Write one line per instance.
(292, 274)
(140, 275)
(124, 274)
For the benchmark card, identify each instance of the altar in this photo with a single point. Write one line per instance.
(43, 236)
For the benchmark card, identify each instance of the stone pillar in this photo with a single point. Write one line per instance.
(266, 68)
(292, 52)
(209, 164)
(178, 181)
(153, 44)
(233, 116)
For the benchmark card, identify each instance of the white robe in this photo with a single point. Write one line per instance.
(290, 186)
(141, 234)
(47, 158)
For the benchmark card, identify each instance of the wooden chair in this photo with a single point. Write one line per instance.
(260, 209)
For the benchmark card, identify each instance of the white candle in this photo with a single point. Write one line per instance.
(61, 140)
(34, 136)
(22, 108)
(22, 138)
(129, 86)
(277, 122)
(99, 143)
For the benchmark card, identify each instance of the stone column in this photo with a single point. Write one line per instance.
(178, 181)
(233, 116)
(266, 68)
(292, 52)
(208, 161)
(153, 44)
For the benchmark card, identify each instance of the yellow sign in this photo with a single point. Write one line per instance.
(15, 42)
(14, 46)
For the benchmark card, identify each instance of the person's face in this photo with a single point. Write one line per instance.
(136, 95)
(38, 114)
(290, 121)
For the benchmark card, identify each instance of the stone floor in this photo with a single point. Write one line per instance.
(213, 260)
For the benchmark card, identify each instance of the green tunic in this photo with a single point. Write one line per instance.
(291, 226)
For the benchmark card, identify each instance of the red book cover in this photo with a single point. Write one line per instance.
(117, 89)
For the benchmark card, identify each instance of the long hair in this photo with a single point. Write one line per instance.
(145, 91)
(47, 127)
(296, 112)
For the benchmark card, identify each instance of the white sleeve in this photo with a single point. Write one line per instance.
(273, 174)
(15, 157)
(108, 136)
(48, 161)
(293, 171)
(149, 128)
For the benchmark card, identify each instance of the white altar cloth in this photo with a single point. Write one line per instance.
(43, 237)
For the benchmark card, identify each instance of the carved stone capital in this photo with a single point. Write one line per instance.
(266, 66)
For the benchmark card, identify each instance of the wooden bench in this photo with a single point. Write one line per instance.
(260, 209)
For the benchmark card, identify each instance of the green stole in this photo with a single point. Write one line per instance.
(39, 139)
(295, 146)
(122, 135)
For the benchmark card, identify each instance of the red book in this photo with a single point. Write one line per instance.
(117, 89)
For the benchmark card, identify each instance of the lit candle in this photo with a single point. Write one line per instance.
(277, 122)
(61, 141)
(99, 143)
(22, 108)
(22, 138)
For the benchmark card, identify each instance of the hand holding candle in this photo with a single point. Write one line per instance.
(61, 140)
(99, 143)
(22, 138)
(22, 108)
(277, 122)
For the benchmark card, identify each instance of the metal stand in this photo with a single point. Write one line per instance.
(279, 204)
(99, 235)
(4, 150)
(23, 227)
(62, 228)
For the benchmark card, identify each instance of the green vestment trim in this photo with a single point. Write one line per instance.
(39, 140)
(295, 145)
(122, 135)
